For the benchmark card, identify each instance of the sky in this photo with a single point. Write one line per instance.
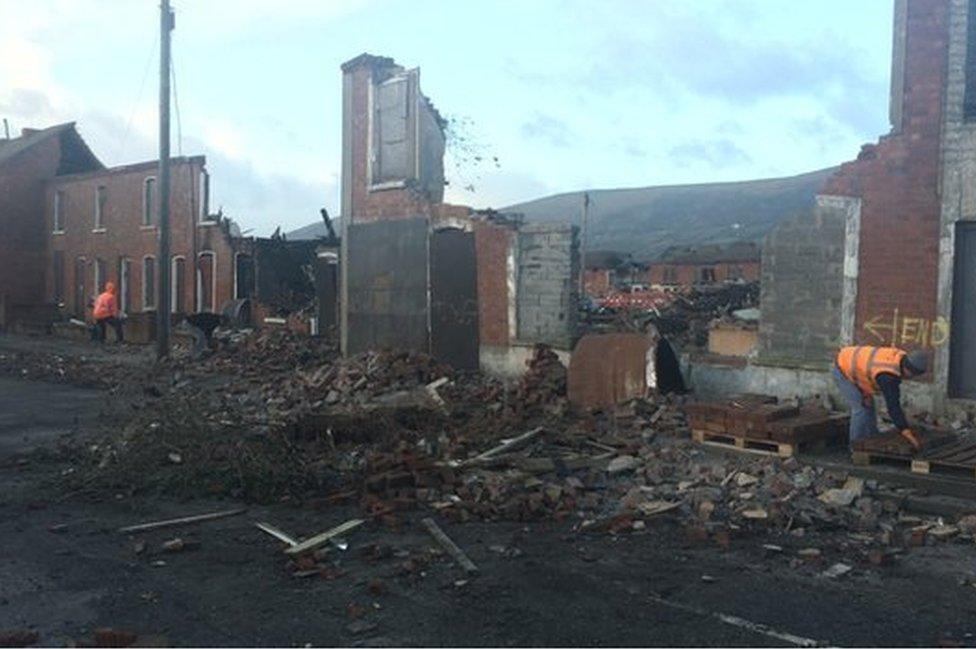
(566, 94)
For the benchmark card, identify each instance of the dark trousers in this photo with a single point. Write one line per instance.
(116, 325)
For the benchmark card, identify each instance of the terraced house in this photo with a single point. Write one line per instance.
(87, 225)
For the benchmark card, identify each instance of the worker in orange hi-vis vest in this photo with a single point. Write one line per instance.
(106, 312)
(862, 372)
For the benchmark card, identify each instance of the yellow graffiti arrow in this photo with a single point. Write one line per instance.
(874, 326)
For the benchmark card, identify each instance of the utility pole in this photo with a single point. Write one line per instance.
(166, 24)
(583, 219)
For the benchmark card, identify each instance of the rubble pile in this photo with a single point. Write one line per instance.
(269, 418)
(543, 386)
(685, 321)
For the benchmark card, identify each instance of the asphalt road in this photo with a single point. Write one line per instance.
(65, 570)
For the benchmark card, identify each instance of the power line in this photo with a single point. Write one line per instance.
(135, 106)
(176, 102)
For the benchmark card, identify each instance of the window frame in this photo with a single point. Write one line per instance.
(58, 226)
(149, 288)
(150, 212)
(101, 197)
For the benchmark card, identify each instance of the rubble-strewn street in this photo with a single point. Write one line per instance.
(645, 332)
(650, 537)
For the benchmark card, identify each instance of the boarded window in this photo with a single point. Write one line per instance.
(149, 202)
(100, 196)
(204, 197)
(394, 129)
(179, 285)
(125, 284)
(205, 282)
(79, 285)
(969, 99)
(100, 276)
(148, 284)
(58, 276)
(59, 211)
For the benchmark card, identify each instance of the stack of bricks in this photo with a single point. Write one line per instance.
(757, 418)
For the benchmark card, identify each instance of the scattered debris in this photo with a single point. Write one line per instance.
(836, 570)
(321, 539)
(186, 520)
(449, 546)
(275, 532)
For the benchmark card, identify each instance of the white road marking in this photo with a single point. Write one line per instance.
(742, 623)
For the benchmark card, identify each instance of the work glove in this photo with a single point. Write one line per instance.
(912, 438)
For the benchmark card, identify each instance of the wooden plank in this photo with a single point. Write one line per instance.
(275, 532)
(186, 520)
(323, 538)
(449, 546)
(505, 447)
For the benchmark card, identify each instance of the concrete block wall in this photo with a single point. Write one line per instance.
(802, 286)
(548, 283)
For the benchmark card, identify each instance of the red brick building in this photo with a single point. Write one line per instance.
(709, 264)
(27, 164)
(70, 225)
(103, 226)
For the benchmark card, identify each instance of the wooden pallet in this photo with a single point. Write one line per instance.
(957, 457)
(766, 447)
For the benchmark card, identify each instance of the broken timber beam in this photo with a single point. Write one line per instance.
(186, 520)
(449, 546)
(275, 532)
(324, 537)
(505, 447)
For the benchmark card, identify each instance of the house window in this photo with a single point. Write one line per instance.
(735, 272)
(243, 276)
(706, 275)
(177, 301)
(206, 282)
(125, 284)
(80, 292)
(58, 272)
(100, 196)
(670, 275)
(59, 212)
(149, 201)
(204, 197)
(99, 275)
(148, 283)
(392, 130)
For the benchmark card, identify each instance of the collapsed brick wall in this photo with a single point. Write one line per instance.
(548, 281)
(802, 287)
(898, 181)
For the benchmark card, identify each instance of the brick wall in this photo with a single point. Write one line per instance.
(369, 203)
(494, 244)
(898, 181)
(548, 276)
(22, 232)
(123, 234)
(597, 281)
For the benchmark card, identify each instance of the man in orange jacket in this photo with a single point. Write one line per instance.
(106, 311)
(862, 372)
